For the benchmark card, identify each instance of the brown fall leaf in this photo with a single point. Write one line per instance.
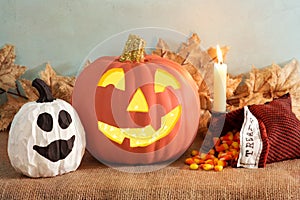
(61, 86)
(9, 74)
(291, 84)
(193, 54)
(9, 109)
(204, 120)
(186, 49)
(289, 76)
(212, 52)
(31, 93)
(162, 48)
(232, 83)
(263, 85)
(9, 71)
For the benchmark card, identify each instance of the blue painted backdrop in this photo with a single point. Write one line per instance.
(63, 32)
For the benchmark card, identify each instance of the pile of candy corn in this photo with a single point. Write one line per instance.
(224, 153)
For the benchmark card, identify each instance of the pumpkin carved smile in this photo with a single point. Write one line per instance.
(56, 150)
(142, 136)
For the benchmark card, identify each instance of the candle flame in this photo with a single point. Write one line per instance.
(219, 54)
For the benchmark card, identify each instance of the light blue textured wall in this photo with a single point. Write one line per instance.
(64, 31)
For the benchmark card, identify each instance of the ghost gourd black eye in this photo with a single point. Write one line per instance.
(64, 119)
(45, 122)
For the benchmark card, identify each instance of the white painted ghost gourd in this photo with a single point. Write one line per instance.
(46, 137)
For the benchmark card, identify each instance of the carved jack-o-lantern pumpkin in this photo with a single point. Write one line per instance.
(137, 109)
(46, 137)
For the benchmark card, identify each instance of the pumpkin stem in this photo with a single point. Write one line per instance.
(134, 49)
(44, 91)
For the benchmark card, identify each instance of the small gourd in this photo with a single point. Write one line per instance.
(46, 137)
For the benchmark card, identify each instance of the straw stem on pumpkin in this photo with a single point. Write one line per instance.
(134, 49)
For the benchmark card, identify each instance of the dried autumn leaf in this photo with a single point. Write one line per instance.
(195, 73)
(205, 101)
(192, 53)
(162, 48)
(290, 84)
(212, 52)
(61, 86)
(192, 44)
(255, 98)
(241, 91)
(9, 71)
(48, 75)
(265, 79)
(289, 76)
(30, 91)
(232, 83)
(263, 85)
(295, 94)
(205, 119)
(9, 109)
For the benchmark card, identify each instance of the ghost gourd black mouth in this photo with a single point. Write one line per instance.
(58, 149)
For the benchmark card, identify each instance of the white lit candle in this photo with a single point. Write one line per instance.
(220, 74)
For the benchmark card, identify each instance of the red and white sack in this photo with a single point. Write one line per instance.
(269, 132)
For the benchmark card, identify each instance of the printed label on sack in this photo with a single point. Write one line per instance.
(250, 141)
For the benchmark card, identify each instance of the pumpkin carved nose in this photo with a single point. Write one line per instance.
(138, 102)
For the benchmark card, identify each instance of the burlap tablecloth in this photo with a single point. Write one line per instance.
(94, 180)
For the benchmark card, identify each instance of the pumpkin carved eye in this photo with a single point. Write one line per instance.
(45, 122)
(164, 79)
(64, 119)
(115, 77)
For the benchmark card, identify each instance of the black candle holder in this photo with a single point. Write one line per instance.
(214, 130)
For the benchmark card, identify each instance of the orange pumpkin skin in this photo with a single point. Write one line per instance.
(108, 104)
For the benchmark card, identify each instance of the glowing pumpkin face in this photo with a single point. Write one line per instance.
(149, 110)
(137, 112)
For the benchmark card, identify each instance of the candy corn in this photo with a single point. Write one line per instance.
(224, 153)
(194, 166)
